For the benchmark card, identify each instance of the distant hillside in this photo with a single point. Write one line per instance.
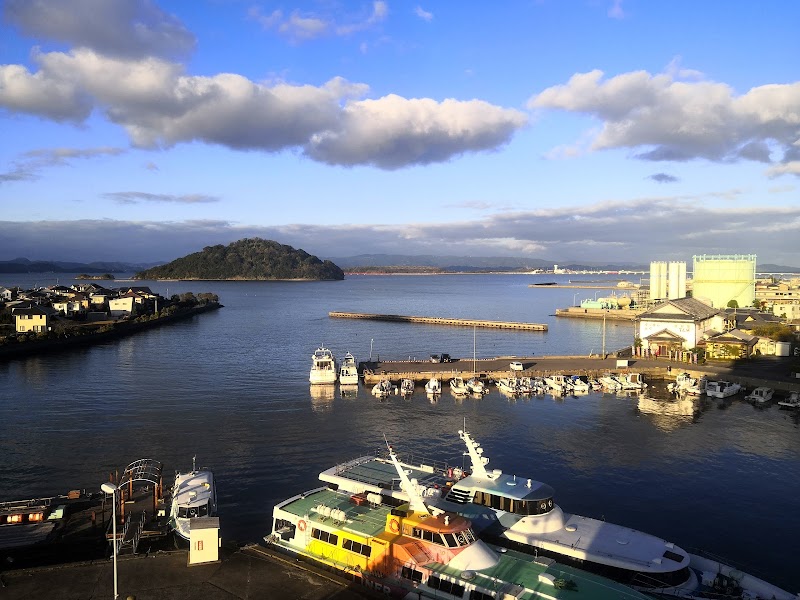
(370, 263)
(247, 259)
(23, 265)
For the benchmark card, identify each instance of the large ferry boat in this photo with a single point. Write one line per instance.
(323, 366)
(521, 514)
(408, 549)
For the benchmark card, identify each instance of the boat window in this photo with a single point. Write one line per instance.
(325, 536)
(411, 574)
(357, 547)
(202, 511)
(477, 595)
(534, 507)
(443, 585)
(450, 540)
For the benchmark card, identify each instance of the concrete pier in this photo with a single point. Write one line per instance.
(616, 314)
(441, 321)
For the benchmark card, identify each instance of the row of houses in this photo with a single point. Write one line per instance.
(35, 310)
(686, 324)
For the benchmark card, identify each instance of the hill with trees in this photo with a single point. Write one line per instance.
(247, 259)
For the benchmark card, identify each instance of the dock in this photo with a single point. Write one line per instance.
(441, 321)
(612, 314)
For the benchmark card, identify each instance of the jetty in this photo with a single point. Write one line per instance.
(612, 314)
(441, 321)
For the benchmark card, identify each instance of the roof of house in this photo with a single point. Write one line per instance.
(665, 335)
(734, 336)
(680, 309)
(30, 310)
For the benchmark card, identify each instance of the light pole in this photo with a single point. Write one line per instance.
(110, 488)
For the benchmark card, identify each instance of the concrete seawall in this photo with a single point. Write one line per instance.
(440, 321)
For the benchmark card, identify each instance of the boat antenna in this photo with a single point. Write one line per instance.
(194, 463)
(475, 453)
(416, 503)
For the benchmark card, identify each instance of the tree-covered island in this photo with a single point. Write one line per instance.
(247, 259)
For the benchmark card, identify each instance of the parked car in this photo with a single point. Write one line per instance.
(516, 366)
(435, 358)
(446, 358)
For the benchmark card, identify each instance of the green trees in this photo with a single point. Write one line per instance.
(250, 258)
(733, 304)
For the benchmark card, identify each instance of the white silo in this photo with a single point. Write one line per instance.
(676, 278)
(658, 280)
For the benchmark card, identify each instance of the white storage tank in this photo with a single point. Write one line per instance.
(782, 348)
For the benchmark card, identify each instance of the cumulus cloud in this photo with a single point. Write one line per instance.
(138, 197)
(29, 164)
(666, 119)
(663, 178)
(121, 28)
(303, 26)
(392, 132)
(631, 231)
(159, 106)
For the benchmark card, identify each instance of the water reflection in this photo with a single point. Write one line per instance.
(668, 415)
(322, 396)
(349, 392)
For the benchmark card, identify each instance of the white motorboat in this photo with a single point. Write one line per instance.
(194, 495)
(722, 389)
(610, 382)
(698, 388)
(433, 387)
(579, 385)
(682, 381)
(348, 372)
(323, 366)
(559, 384)
(521, 514)
(760, 395)
(509, 385)
(476, 386)
(384, 388)
(791, 401)
(458, 387)
(407, 387)
(631, 381)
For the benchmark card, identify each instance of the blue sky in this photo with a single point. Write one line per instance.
(594, 131)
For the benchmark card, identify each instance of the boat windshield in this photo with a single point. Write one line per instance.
(517, 506)
(190, 512)
(450, 540)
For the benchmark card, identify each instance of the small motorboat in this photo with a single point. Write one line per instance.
(433, 387)
(791, 401)
(722, 389)
(383, 388)
(348, 371)
(458, 387)
(407, 387)
(760, 395)
(476, 386)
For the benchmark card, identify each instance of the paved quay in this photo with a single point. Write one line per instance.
(243, 573)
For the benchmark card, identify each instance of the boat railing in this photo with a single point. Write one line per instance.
(138, 533)
(722, 560)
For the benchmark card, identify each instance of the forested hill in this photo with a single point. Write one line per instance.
(252, 258)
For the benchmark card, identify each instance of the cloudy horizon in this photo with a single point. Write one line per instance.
(142, 131)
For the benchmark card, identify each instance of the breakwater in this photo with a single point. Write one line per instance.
(441, 321)
(617, 314)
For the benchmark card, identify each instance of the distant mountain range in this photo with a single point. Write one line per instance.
(444, 263)
(23, 265)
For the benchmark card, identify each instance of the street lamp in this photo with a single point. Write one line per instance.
(110, 488)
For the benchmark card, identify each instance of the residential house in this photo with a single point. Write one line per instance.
(31, 319)
(678, 324)
(69, 307)
(730, 345)
(7, 294)
(123, 306)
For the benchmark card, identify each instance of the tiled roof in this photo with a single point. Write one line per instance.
(685, 309)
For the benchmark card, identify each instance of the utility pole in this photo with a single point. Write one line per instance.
(604, 334)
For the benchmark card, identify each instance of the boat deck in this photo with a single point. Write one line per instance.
(363, 520)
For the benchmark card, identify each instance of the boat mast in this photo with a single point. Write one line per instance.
(475, 453)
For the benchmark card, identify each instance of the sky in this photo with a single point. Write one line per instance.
(595, 131)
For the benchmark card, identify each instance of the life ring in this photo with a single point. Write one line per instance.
(394, 526)
(301, 525)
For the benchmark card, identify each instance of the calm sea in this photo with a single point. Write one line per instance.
(232, 388)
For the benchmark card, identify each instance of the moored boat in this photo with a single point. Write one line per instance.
(194, 495)
(384, 388)
(791, 401)
(698, 388)
(760, 395)
(458, 387)
(722, 389)
(476, 386)
(323, 366)
(413, 549)
(407, 387)
(348, 371)
(433, 386)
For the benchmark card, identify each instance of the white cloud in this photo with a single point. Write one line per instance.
(123, 28)
(29, 164)
(674, 120)
(304, 26)
(789, 168)
(392, 132)
(138, 197)
(423, 14)
(159, 105)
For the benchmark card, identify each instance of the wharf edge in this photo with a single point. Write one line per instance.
(440, 321)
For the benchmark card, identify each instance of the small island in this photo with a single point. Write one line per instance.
(248, 259)
(87, 276)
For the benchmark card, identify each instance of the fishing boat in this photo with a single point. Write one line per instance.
(412, 549)
(458, 387)
(631, 381)
(610, 382)
(521, 514)
(558, 383)
(722, 389)
(194, 495)
(791, 401)
(407, 387)
(433, 387)
(682, 381)
(383, 389)
(476, 386)
(760, 395)
(579, 385)
(348, 371)
(323, 366)
(509, 385)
